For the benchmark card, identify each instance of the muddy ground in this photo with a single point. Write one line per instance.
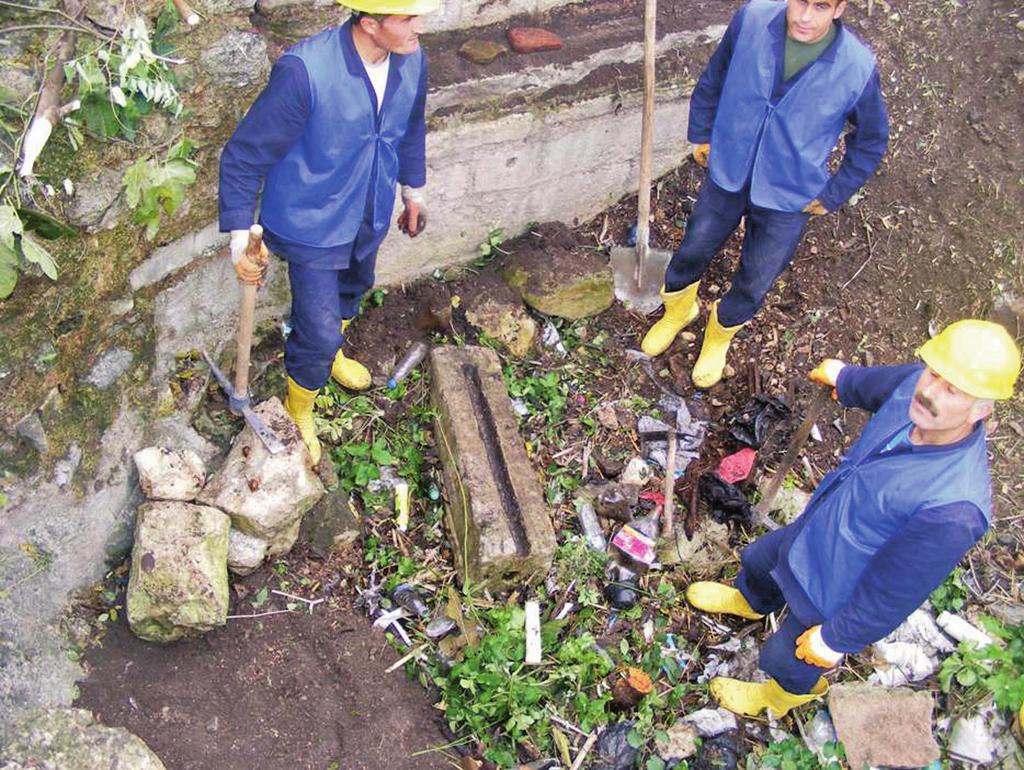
(936, 236)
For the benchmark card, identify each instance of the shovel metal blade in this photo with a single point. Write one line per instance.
(644, 298)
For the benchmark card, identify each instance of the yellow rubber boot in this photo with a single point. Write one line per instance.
(348, 373)
(681, 307)
(751, 698)
(299, 405)
(717, 597)
(711, 361)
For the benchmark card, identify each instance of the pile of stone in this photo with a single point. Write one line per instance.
(194, 529)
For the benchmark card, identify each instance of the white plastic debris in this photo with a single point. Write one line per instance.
(534, 651)
(637, 472)
(921, 629)
(552, 339)
(971, 740)
(711, 722)
(962, 631)
(519, 407)
(903, 662)
(819, 731)
(816, 433)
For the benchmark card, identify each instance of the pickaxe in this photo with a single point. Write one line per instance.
(239, 398)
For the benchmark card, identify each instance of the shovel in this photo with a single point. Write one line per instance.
(639, 272)
(239, 398)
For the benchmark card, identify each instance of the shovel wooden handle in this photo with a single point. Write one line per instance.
(246, 314)
(643, 204)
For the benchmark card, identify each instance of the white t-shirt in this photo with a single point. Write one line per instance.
(378, 74)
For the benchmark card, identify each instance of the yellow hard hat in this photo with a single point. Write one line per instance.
(978, 357)
(393, 7)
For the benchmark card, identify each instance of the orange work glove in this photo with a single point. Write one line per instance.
(827, 373)
(815, 208)
(811, 649)
(700, 154)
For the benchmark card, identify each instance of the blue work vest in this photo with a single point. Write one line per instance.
(782, 148)
(864, 502)
(347, 157)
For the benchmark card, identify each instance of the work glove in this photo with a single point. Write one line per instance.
(700, 154)
(815, 208)
(811, 649)
(413, 218)
(827, 373)
(247, 270)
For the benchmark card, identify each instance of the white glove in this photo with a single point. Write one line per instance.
(239, 240)
(246, 270)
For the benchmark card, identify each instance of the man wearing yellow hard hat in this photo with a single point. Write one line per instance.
(340, 124)
(882, 530)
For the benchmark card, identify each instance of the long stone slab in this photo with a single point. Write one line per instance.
(499, 525)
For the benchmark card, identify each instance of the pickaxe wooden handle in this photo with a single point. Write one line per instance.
(246, 313)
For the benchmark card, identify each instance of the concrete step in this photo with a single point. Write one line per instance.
(496, 516)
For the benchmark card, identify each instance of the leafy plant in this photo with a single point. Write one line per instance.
(493, 692)
(119, 83)
(489, 247)
(996, 669)
(154, 188)
(791, 754)
(544, 395)
(952, 594)
(18, 249)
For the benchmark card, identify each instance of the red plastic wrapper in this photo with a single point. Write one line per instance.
(737, 467)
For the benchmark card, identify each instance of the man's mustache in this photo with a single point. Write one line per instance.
(927, 403)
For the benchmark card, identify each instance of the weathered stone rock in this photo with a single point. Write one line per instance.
(30, 429)
(558, 280)
(886, 727)
(98, 203)
(217, 7)
(505, 319)
(178, 584)
(532, 40)
(789, 502)
(245, 552)
(711, 722)
(22, 82)
(165, 260)
(284, 9)
(72, 739)
(330, 524)
(111, 365)
(681, 742)
(266, 495)
(237, 60)
(167, 474)
(481, 51)
(64, 469)
(496, 515)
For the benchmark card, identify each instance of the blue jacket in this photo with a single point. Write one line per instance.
(885, 527)
(328, 158)
(777, 136)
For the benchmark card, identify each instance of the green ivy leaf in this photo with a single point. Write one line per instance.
(44, 225)
(38, 255)
(10, 225)
(8, 279)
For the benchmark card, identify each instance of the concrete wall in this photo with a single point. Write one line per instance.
(459, 14)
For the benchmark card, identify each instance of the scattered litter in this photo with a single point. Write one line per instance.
(612, 750)
(737, 466)
(901, 663)
(757, 420)
(389, 479)
(405, 596)
(982, 738)
(534, 650)
(630, 687)
(389, 620)
(789, 501)
(719, 753)
(637, 473)
(689, 435)
(402, 504)
(819, 731)
(727, 502)
(637, 540)
(962, 631)
(409, 361)
(816, 433)
(589, 525)
(621, 590)
(552, 339)
(440, 627)
(711, 722)
(520, 408)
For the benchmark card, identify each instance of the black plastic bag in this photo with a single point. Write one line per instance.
(727, 502)
(757, 420)
(612, 750)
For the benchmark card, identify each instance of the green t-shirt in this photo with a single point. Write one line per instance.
(798, 55)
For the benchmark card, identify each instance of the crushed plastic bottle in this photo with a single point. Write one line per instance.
(406, 597)
(409, 361)
(589, 524)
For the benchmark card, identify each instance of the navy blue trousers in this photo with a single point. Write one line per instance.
(778, 654)
(321, 299)
(768, 246)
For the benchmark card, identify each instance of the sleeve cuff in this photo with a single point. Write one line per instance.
(828, 636)
(235, 219)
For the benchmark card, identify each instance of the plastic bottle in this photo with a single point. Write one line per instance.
(405, 596)
(589, 524)
(409, 361)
